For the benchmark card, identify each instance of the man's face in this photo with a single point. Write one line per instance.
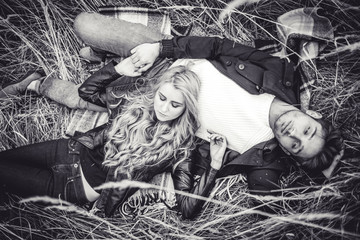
(299, 134)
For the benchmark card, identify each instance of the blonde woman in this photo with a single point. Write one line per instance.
(154, 130)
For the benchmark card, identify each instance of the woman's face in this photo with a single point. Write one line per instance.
(169, 103)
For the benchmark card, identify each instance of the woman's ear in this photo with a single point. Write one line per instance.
(313, 114)
(285, 150)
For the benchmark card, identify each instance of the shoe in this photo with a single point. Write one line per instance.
(92, 56)
(20, 87)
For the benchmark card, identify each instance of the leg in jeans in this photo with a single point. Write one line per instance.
(49, 168)
(113, 35)
(66, 93)
(26, 171)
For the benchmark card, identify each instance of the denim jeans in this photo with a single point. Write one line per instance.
(66, 93)
(49, 168)
(113, 35)
(107, 34)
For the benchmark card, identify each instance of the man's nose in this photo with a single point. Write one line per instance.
(294, 133)
(298, 135)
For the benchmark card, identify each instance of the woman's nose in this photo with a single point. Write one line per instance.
(165, 107)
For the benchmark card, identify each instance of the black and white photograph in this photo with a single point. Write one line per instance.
(179, 119)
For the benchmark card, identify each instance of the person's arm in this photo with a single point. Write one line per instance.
(262, 181)
(93, 89)
(184, 180)
(144, 55)
(204, 47)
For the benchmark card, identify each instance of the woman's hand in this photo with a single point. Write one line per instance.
(127, 68)
(144, 55)
(218, 146)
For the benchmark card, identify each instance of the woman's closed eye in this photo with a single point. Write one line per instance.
(162, 97)
(176, 105)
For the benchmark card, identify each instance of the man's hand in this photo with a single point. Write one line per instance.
(144, 55)
(127, 68)
(218, 146)
(329, 171)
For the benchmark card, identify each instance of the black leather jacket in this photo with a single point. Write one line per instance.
(254, 70)
(100, 88)
(257, 72)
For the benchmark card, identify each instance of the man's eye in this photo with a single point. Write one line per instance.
(307, 131)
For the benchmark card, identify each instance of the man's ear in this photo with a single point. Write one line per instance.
(285, 150)
(313, 114)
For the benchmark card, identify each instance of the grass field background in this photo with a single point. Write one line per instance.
(39, 34)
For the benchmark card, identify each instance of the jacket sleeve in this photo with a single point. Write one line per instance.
(209, 48)
(263, 181)
(184, 181)
(93, 89)
(94, 137)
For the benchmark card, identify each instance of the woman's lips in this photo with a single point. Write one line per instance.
(162, 115)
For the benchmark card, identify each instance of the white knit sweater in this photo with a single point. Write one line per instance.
(227, 109)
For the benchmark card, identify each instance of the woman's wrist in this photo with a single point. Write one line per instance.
(216, 164)
(118, 69)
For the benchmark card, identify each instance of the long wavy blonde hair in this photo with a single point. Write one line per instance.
(138, 142)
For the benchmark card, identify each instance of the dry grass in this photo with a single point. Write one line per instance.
(39, 33)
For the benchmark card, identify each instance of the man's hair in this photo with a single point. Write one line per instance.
(333, 146)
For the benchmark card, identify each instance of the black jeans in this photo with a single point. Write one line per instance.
(49, 168)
